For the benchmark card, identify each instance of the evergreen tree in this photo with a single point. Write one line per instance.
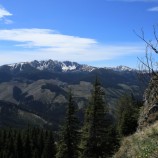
(41, 138)
(11, 148)
(20, 143)
(49, 147)
(94, 130)
(127, 115)
(35, 154)
(112, 141)
(68, 145)
(19, 146)
(27, 147)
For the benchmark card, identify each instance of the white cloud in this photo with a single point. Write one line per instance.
(44, 38)
(154, 9)
(7, 21)
(48, 44)
(3, 14)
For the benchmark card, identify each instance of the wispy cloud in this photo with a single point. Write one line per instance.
(7, 21)
(154, 9)
(44, 38)
(44, 44)
(3, 14)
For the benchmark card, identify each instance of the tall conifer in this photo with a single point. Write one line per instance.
(68, 145)
(94, 130)
(127, 115)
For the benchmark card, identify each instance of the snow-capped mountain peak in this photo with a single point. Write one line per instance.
(57, 66)
(68, 67)
(51, 66)
(121, 68)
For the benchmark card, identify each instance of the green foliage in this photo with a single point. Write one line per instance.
(49, 146)
(142, 144)
(99, 139)
(96, 130)
(68, 144)
(127, 115)
(16, 143)
(112, 140)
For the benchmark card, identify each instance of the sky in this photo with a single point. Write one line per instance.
(94, 32)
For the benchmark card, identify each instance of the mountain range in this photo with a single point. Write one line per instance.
(56, 66)
(39, 88)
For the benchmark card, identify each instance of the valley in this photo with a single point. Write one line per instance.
(41, 87)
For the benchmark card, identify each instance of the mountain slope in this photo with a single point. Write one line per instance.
(142, 144)
(149, 112)
(56, 66)
(42, 87)
(12, 115)
(48, 65)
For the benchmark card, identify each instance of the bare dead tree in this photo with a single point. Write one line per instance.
(147, 65)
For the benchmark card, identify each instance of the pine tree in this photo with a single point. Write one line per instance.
(68, 145)
(49, 147)
(127, 115)
(11, 148)
(27, 147)
(19, 146)
(113, 141)
(35, 154)
(94, 130)
(40, 142)
(22, 143)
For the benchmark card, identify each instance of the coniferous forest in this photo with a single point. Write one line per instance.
(27, 143)
(98, 136)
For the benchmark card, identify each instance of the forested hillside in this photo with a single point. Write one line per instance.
(40, 89)
(98, 135)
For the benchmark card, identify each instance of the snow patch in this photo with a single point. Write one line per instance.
(66, 68)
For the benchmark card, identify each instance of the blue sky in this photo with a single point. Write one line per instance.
(94, 32)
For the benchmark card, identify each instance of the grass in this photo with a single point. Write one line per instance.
(142, 144)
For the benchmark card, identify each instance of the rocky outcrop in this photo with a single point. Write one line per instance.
(149, 112)
(142, 144)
